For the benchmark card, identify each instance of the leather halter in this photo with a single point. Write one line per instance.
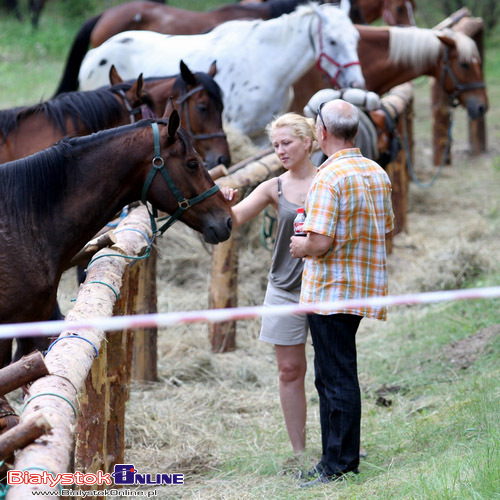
(144, 109)
(458, 87)
(158, 165)
(322, 55)
(186, 122)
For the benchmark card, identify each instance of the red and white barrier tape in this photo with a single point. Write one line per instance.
(45, 328)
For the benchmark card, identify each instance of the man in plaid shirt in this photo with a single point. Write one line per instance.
(349, 212)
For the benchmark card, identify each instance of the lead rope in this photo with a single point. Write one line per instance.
(418, 182)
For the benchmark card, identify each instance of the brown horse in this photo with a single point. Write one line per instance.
(54, 201)
(26, 130)
(391, 56)
(393, 12)
(144, 15)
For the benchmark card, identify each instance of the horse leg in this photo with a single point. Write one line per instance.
(29, 344)
(5, 352)
(13, 6)
(36, 7)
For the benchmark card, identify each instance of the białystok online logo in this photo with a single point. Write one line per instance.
(124, 474)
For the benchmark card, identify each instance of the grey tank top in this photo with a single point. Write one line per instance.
(286, 271)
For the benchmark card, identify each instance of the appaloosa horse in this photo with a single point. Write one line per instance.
(144, 15)
(54, 201)
(256, 87)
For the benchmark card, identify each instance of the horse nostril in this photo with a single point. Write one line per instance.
(229, 223)
(224, 160)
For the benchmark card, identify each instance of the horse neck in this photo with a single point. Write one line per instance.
(371, 9)
(292, 57)
(104, 178)
(238, 11)
(380, 73)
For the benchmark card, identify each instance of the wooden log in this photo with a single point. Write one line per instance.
(453, 19)
(69, 361)
(23, 434)
(224, 293)
(441, 119)
(247, 161)
(27, 369)
(218, 171)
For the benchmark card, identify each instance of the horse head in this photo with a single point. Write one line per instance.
(461, 74)
(201, 106)
(338, 42)
(136, 99)
(399, 12)
(185, 190)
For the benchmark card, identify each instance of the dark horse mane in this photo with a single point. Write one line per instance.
(38, 184)
(95, 109)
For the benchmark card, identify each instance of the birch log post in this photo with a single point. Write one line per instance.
(224, 280)
(19, 373)
(70, 361)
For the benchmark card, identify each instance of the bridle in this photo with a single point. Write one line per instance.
(144, 109)
(323, 56)
(182, 103)
(388, 16)
(158, 165)
(447, 70)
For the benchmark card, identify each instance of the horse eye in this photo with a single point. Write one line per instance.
(464, 65)
(202, 108)
(333, 42)
(193, 164)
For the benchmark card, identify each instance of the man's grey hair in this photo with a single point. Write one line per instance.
(341, 119)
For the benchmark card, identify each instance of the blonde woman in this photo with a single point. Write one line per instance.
(292, 137)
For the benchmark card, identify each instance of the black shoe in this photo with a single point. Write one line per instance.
(321, 479)
(314, 472)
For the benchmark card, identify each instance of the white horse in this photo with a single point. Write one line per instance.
(257, 61)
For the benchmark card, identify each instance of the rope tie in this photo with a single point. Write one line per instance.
(117, 295)
(74, 337)
(148, 241)
(51, 394)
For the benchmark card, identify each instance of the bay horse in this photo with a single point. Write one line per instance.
(391, 56)
(151, 16)
(26, 130)
(256, 87)
(54, 201)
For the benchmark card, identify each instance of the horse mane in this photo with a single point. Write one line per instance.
(38, 184)
(419, 47)
(207, 82)
(91, 110)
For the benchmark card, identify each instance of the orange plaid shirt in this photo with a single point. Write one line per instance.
(350, 201)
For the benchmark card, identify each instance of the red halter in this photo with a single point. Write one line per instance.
(321, 65)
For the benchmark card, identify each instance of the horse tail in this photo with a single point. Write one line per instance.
(69, 81)
(279, 7)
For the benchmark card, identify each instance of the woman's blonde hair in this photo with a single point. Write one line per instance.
(302, 127)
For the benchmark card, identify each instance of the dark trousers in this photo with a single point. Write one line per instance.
(336, 379)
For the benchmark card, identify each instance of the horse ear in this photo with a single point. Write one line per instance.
(213, 69)
(345, 6)
(136, 88)
(319, 12)
(169, 107)
(114, 77)
(449, 42)
(173, 123)
(186, 74)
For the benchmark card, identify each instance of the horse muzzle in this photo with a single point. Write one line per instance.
(217, 232)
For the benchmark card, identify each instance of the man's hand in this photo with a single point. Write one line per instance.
(297, 246)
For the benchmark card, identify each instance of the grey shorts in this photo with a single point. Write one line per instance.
(283, 330)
